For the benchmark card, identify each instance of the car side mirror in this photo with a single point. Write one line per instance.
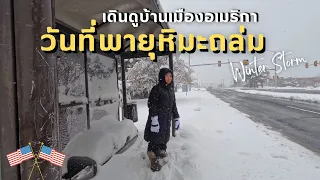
(80, 168)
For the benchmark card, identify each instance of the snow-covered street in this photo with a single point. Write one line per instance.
(215, 142)
(293, 96)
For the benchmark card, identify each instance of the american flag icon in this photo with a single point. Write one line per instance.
(20, 155)
(52, 156)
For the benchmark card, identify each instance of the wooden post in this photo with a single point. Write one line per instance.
(87, 90)
(36, 82)
(124, 88)
(8, 103)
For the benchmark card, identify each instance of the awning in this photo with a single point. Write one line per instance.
(78, 14)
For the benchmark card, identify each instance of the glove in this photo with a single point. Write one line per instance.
(177, 123)
(155, 124)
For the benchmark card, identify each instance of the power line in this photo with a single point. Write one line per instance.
(209, 64)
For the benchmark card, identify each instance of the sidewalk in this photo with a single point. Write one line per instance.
(215, 142)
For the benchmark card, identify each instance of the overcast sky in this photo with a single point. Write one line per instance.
(290, 25)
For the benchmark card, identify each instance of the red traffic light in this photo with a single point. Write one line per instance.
(307, 65)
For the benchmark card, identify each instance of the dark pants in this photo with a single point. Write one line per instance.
(156, 147)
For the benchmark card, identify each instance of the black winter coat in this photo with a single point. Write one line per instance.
(161, 103)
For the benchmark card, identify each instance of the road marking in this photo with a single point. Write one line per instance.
(303, 110)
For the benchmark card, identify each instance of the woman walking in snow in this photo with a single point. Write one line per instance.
(162, 108)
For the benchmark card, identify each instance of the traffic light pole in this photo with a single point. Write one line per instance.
(275, 76)
(189, 84)
(209, 64)
(315, 64)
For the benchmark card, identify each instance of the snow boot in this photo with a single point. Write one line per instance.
(163, 158)
(163, 154)
(154, 161)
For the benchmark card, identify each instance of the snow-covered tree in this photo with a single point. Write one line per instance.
(263, 77)
(283, 82)
(69, 71)
(144, 75)
(254, 80)
(97, 69)
(71, 66)
(316, 84)
(128, 64)
(182, 72)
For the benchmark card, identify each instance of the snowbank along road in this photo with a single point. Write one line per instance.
(299, 121)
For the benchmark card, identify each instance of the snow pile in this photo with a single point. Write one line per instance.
(293, 96)
(286, 87)
(290, 87)
(97, 112)
(198, 89)
(101, 141)
(215, 142)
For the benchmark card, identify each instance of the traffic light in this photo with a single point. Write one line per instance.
(315, 63)
(307, 65)
(245, 62)
(219, 63)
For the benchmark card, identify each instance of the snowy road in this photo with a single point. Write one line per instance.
(299, 121)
